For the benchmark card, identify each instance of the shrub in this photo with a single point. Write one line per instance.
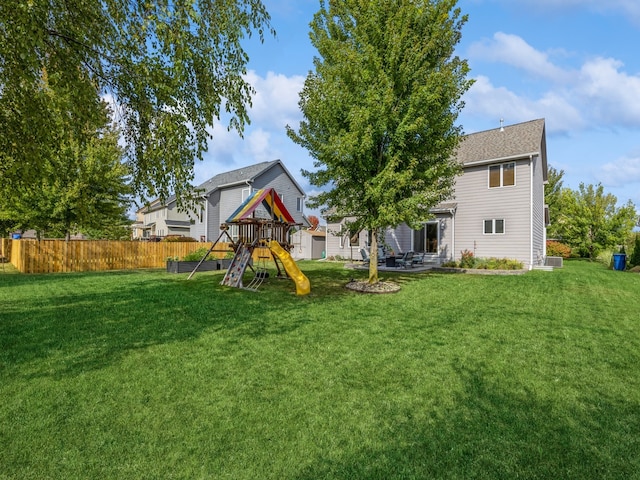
(178, 238)
(467, 259)
(197, 255)
(634, 258)
(558, 249)
(498, 264)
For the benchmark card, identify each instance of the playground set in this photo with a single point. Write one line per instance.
(263, 223)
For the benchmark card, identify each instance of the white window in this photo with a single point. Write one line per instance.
(299, 204)
(503, 175)
(495, 226)
(245, 193)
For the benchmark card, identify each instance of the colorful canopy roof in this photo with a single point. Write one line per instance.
(270, 200)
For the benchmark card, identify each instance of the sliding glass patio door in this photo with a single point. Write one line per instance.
(426, 239)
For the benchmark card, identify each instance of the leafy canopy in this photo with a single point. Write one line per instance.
(590, 221)
(380, 109)
(171, 67)
(83, 184)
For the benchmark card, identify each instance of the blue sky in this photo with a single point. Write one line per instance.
(572, 62)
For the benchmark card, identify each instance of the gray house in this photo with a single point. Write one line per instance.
(224, 193)
(497, 210)
(221, 195)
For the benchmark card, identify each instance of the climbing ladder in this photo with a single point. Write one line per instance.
(233, 277)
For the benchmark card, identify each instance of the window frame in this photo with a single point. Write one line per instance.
(501, 177)
(494, 223)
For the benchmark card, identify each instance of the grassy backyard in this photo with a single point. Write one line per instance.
(147, 375)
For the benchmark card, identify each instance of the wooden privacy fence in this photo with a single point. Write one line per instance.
(51, 256)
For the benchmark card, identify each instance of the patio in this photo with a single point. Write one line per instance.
(383, 268)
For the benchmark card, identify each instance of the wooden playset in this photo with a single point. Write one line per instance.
(261, 222)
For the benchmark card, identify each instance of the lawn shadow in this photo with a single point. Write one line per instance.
(492, 432)
(79, 322)
(71, 330)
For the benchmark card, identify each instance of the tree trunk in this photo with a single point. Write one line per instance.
(373, 257)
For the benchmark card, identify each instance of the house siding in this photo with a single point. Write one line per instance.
(276, 177)
(339, 244)
(447, 237)
(398, 239)
(212, 222)
(230, 200)
(198, 226)
(511, 203)
(539, 250)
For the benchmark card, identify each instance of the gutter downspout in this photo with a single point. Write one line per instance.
(531, 212)
(453, 235)
(206, 217)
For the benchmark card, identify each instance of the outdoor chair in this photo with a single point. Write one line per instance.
(405, 261)
(418, 259)
(365, 256)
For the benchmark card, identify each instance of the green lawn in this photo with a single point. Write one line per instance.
(145, 375)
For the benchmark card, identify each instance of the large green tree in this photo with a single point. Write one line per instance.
(83, 188)
(171, 67)
(590, 221)
(380, 110)
(553, 198)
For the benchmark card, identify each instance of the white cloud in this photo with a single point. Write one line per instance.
(624, 171)
(513, 50)
(599, 94)
(275, 104)
(485, 100)
(259, 146)
(276, 100)
(611, 95)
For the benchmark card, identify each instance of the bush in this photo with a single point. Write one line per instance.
(498, 264)
(634, 258)
(558, 249)
(178, 238)
(197, 255)
(467, 259)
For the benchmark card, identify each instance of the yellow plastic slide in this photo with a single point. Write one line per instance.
(303, 286)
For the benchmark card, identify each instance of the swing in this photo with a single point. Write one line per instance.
(260, 274)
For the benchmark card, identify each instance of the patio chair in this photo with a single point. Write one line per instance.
(418, 259)
(405, 261)
(365, 256)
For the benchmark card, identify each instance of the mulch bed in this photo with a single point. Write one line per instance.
(364, 286)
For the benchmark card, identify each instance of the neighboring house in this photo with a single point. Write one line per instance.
(221, 195)
(158, 220)
(497, 210)
(308, 244)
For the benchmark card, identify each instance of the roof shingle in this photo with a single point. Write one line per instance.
(510, 141)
